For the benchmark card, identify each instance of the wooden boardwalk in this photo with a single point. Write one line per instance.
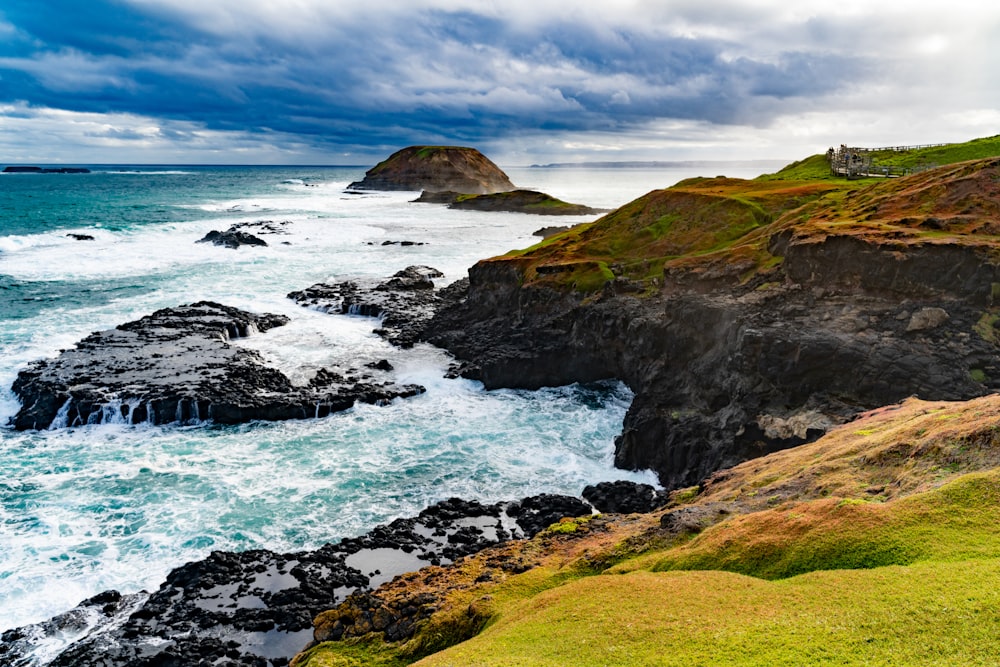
(856, 162)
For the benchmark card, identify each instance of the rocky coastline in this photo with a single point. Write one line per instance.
(177, 366)
(734, 351)
(729, 362)
(257, 607)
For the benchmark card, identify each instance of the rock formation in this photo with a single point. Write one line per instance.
(514, 201)
(436, 168)
(232, 238)
(749, 316)
(177, 365)
(405, 303)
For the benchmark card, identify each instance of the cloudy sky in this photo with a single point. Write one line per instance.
(526, 81)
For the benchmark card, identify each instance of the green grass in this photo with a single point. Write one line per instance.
(913, 582)
(928, 614)
(941, 155)
(369, 652)
(814, 167)
(954, 522)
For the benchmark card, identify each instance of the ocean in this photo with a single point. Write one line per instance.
(116, 506)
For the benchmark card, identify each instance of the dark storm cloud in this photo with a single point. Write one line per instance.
(385, 79)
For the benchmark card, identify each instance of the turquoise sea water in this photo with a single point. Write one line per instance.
(112, 506)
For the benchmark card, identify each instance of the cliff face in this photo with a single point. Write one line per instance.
(436, 169)
(760, 325)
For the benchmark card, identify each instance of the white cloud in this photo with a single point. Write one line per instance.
(43, 135)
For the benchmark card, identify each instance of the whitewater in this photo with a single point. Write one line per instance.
(116, 506)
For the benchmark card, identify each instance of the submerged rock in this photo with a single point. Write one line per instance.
(436, 168)
(177, 365)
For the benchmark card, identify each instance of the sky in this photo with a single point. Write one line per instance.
(525, 81)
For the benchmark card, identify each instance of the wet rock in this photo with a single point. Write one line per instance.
(625, 497)
(232, 238)
(537, 513)
(257, 607)
(80, 237)
(178, 366)
(405, 302)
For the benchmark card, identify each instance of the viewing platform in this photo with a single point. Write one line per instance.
(857, 162)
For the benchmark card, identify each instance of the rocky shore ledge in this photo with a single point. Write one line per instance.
(257, 607)
(405, 303)
(177, 366)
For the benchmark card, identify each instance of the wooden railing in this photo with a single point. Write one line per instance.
(857, 162)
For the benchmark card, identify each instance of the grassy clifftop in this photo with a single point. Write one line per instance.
(874, 545)
(703, 224)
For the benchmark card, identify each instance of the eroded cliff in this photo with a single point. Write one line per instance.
(749, 316)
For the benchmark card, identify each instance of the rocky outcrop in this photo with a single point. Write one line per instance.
(624, 497)
(739, 352)
(257, 607)
(405, 302)
(514, 201)
(546, 232)
(436, 168)
(232, 238)
(178, 366)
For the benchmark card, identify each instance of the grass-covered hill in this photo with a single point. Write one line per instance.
(702, 222)
(876, 545)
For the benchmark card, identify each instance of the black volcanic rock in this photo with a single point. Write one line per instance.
(405, 302)
(625, 497)
(232, 238)
(257, 607)
(436, 168)
(177, 365)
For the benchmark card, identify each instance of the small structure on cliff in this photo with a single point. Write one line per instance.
(854, 162)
